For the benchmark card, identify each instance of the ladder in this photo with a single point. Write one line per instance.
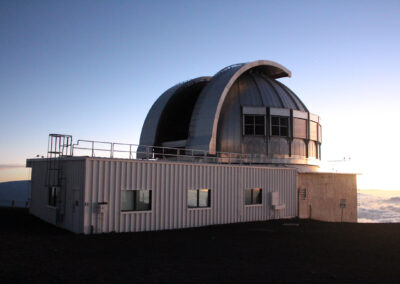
(59, 146)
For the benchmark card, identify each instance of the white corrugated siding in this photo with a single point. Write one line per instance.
(169, 182)
(72, 185)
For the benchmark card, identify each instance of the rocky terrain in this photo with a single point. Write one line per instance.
(32, 251)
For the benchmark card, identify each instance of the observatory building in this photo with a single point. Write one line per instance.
(238, 146)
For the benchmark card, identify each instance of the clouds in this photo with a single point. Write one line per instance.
(11, 166)
(395, 200)
(378, 209)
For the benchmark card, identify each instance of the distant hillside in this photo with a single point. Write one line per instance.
(19, 191)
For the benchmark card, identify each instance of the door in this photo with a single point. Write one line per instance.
(76, 206)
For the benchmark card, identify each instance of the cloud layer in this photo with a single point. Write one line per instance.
(11, 166)
(378, 209)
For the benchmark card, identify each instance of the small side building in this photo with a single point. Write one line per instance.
(328, 197)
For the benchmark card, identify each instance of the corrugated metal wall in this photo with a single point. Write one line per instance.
(39, 193)
(72, 185)
(169, 182)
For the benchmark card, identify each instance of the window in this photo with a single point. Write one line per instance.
(280, 125)
(54, 196)
(252, 196)
(135, 200)
(198, 198)
(254, 124)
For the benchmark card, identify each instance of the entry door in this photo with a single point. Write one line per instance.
(76, 205)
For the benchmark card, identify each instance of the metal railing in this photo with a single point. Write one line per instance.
(144, 152)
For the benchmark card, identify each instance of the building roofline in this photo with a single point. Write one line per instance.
(69, 158)
(29, 162)
(330, 173)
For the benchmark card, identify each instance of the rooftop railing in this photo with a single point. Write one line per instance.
(144, 152)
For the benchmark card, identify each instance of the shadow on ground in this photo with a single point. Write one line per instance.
(35, 252)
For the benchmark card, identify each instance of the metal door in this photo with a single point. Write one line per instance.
(76, 205)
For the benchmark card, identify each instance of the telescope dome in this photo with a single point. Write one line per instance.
(242, 109)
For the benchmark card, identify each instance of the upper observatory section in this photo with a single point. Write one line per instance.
(241, 109)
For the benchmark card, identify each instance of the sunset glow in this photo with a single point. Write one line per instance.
(94, 70)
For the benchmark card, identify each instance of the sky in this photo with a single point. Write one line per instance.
(93, 69)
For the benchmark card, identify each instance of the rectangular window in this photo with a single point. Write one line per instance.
(280, 126)
(54, 196)
(254, 124)
(135, 200)
(198, 198)
(253, 196)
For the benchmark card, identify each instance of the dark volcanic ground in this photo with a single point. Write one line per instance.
(32, 251)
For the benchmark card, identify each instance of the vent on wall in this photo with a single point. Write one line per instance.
(303, 193)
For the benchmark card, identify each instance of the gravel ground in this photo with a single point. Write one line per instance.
(32, 251)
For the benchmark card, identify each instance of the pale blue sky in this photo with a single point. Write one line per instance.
(93, 68)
